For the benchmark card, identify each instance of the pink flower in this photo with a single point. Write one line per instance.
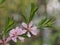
(15, 33)
(30, 29)
(5, 41)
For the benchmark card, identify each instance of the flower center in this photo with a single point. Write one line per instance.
(15, 34)
(28, 28)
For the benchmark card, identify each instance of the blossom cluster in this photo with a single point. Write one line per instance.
(14, 34)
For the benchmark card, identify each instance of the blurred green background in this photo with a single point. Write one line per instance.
(14, 8)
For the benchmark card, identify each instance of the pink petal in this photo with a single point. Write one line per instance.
(12, 32)
(30, 24)
(0, 41)
(28, 34)
(14, 39)
(21, 39)
(34, 30)
(19, 31)
(24, 25)
(24, 31)
(17, 28)
(8, 39)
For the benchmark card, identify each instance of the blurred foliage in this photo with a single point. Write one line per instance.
(12, 6)
(46, 22)
(31, 14)
(33, 11)
(2, 1)
(7, 7)
(9, 23)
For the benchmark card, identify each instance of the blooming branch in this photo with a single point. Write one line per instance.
(15, 33)
(30, 28)
(4, 41)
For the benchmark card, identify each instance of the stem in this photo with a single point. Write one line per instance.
(3, 38)
(3, 42)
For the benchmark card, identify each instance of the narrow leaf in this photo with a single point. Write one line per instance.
(9, 23)
(24, 17)
(33, 10)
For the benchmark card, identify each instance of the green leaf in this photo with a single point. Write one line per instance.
(1, 1)
(33, 10)
(24, 17)
(46, 22)
(9, 24)
(51, 21)
(42, 21)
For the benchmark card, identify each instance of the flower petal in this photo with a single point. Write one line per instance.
(24, 31)
(8, 39)
(14, 39)
(12, 32)
(30, 24)
(34, 30)
(24, 25)
(28, 34)
(21, 39)
(19, 31)
(0, 41)
(17, 28)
